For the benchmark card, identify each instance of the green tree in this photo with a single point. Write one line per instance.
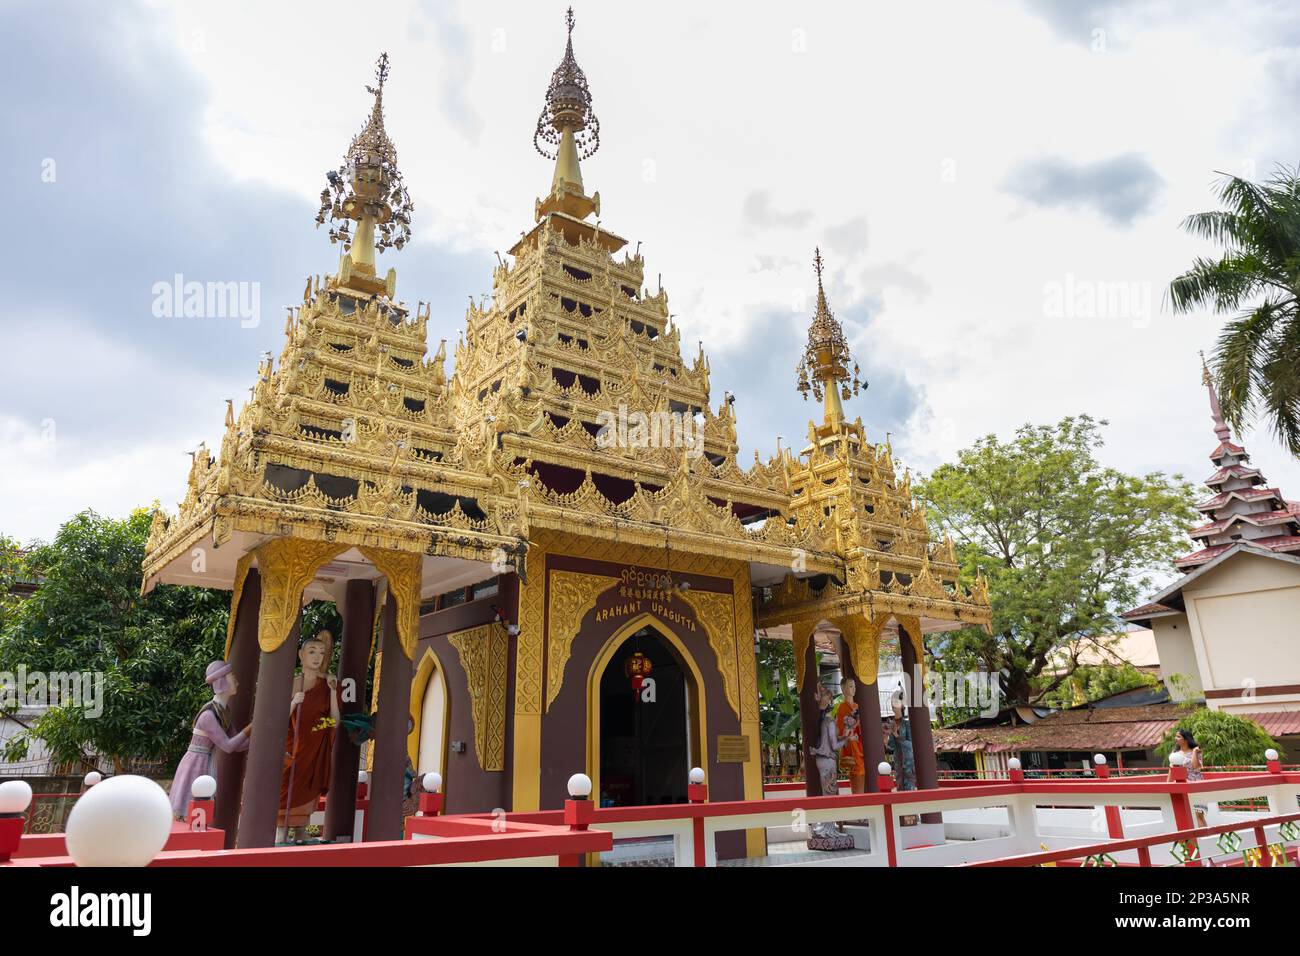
(1065, 543)
(1226, 740)
(1257, 279)
(88, 616)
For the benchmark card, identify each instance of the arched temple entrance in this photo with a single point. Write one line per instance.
(430, 707)
(642, 744)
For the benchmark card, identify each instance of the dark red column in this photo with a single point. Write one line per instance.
(388, 778)
(243, 659)
(810, 719)
(918, 716)
(354, 660)
(868, 700)
(265, 766)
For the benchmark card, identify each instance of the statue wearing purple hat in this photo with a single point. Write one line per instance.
(211, 731)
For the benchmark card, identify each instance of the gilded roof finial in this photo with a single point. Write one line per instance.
(567, 128)
(368, 189)
(823, 368)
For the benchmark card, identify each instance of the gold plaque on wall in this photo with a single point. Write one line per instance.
(733, 748)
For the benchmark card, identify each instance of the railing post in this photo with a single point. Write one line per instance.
(1182, 806)
(697, 791)
(202, 803)
(1014, 773)
(15, 798)
(885, 781)
(431, 797)
(1114, 822)
(1261, 842)
(578, 811)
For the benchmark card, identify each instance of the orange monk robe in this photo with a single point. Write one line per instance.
(308, 750)
(851, 755)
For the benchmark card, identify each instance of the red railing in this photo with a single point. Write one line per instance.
(1102, 854)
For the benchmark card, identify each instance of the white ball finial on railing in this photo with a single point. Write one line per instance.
(125, 821)
(15, 796)
(1099, 759)
(432, 782)
(884, 768)
(579, 786)
(1013, 763)
(1177, 759)
(204, 787)
(362, 776)
(696, 775)
(92, 778)
(1270, 754)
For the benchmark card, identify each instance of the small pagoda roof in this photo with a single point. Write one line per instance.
(1228, 448)
(1259, 519)
(1241, 494)
(1233, 471)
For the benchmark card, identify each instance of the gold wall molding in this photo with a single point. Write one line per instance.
(483, 653)
(573, 594)
(802, 634)
(715, 612)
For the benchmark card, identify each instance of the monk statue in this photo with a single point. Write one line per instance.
(211, 732)
(847, 725)
(313, 717)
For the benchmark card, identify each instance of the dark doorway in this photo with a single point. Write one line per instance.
(644, 752)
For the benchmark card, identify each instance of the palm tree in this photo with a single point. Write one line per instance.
(1257, 278)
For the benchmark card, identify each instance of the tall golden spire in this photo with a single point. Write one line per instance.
(1221, 430)
(567, 132)
(367, 189)
(823, 368)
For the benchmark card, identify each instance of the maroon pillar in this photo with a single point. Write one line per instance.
(388, 779)
(265, 766)
(354, 659)
(244, 660)
(918, 716)
(868, 700)
(810, 719)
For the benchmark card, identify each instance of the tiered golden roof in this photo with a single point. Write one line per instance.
(571, 410)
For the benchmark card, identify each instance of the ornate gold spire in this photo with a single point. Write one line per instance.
(567, 132)
(368, 189)
(824, 366)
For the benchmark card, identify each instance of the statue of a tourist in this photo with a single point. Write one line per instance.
(211, 732)
(313, 717)
(901, 745)
(826, 836)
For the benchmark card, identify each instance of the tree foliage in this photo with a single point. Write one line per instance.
(1257, 279)
(1226, 740)
(1065, 542)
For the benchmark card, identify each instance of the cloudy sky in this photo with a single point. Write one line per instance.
(996, 187)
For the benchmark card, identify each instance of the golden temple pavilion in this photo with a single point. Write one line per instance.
(553, 550)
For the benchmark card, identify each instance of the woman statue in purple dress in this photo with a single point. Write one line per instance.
(212, 731)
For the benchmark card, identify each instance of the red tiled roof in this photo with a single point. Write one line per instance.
(1093, 729)
(1232, 471)
(1148, 610)
(1228, 448)
(1245, 494)
(1278, 542)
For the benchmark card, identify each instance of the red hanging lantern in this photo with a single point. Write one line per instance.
(637, 668)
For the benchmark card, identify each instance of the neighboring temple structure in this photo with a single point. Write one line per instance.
(554, 548)
(1226, 630)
